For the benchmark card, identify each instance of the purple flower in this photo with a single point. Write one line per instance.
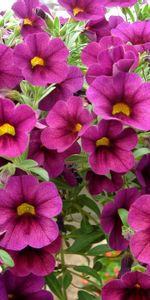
(124, 97)
(137, 34)
(27, 208)
(143, 173)
(91, 52)
(26, 288)
(120, 3)
(39, 262)
(83, 9)
(39, 58)
(50, 160)
(10, 75)
(26, 10)
(131, 286)
(109, 147)
(100, 183)
(139, 220)
(16, 122)
(110, 219)
(64, 90)
(97, 29)
(66, 125)
(112, 61)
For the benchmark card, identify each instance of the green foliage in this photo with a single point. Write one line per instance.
(6, 259)
(82, 295)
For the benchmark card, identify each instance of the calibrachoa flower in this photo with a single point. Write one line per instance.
(10, 75)
(124, 97)
(26, 10)
(139, 220)
(97, 29)
(83, 9)
(100, 183)
(39, 262)
(26, 288)
(27, 208)
(112, 61)
(66, 125)
(16, 122)
(71, 176)
(126, 264)
(131, 286)
(92, 51)
(137, 33)
(65, 89)
(109, 147)
(50, 159)
(143, 173)
(121, 3)
(110, 219)
(39, 57)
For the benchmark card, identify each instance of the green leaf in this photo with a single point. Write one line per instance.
(140, 152)
(41, 172)
(99, 250)
(6, 258)
(86, 227)
(86, 296)
(27, 164)
(47, 91)
(123, 214)
(83, 241)
(67, 279)
(85, 201)
(88, 271)
(53, 284)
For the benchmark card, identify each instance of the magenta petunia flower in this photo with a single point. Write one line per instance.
(139, 220)
(100, 183)
(26, 11)
(27, 208)
(91, 52)
(110, 219)
(137, 34)
(66, 125)
(109, 147)
(10, 75)
(26, 288)
(39, 58)
(131, 286)
(120, 3)
(124, 97)
(112, 61)
(65, 89)
(39, 262)
(16, 122)
(49, 159)
(71, 176)
(143, 173)
(97, 29)
(83, 9)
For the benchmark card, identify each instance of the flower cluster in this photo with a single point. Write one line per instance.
(75, 149)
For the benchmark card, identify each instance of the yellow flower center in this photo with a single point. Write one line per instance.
(7, 129)
(10, 296)
(27, 21)
(25, 208)
(37, 61)
(77, 127)
(137, 286)
(121, 108)
(77, 10)
(103, 142)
